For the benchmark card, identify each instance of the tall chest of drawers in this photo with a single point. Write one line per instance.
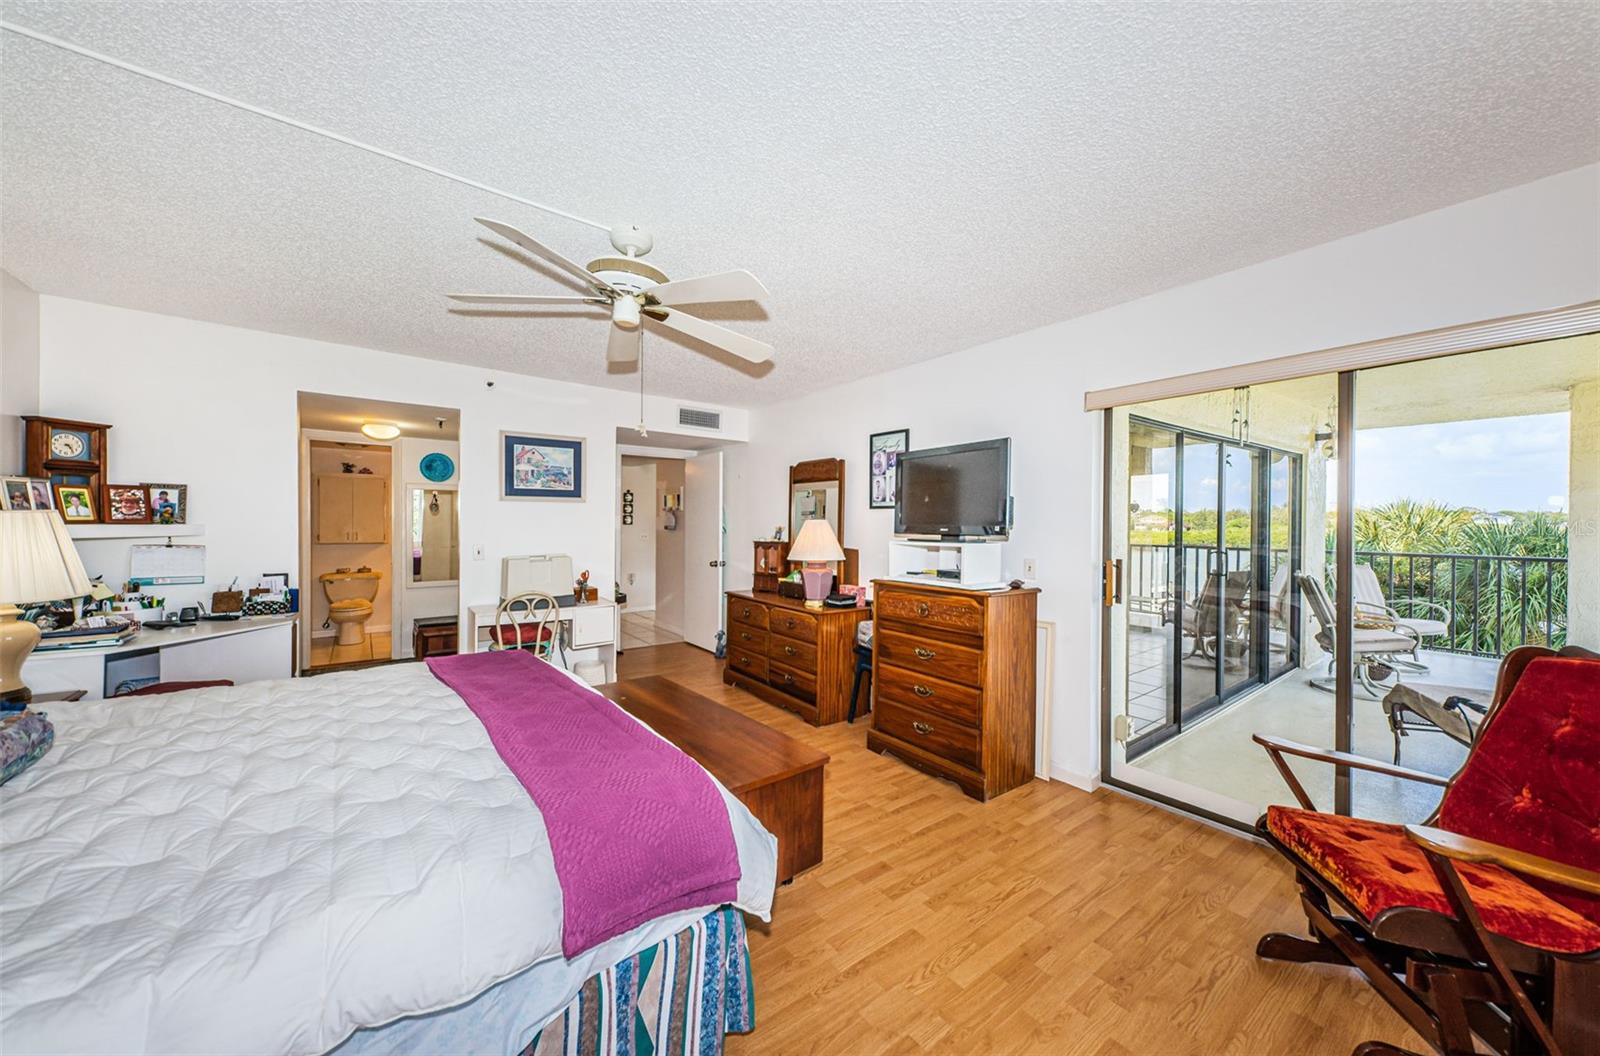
(786, 654)
(953, 682)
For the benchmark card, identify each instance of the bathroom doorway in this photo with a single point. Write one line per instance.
(379, 531)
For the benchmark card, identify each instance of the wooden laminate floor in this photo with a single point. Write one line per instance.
(1049, 920)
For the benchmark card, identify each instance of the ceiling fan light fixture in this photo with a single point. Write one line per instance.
(380, 430)
(625, 313)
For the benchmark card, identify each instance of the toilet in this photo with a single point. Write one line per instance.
(350, 597)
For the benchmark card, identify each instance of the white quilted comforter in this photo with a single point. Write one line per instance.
(267, 867)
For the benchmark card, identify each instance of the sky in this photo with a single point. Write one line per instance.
(1492, 464)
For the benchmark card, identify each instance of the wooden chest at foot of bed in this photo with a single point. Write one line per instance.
(777, 777)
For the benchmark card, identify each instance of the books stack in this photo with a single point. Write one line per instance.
(97, 631)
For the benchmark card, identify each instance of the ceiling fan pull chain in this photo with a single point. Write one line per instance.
(642, 431)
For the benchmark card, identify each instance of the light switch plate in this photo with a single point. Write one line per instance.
(1030, 568)
(477, 552)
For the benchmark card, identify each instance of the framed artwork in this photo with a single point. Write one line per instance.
(18, 493)
(541, 467)
(127, 504)
(39, 491)
(169, 503)
(76, 503)
(883, 451)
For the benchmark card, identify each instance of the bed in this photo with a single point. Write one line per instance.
(293, 867)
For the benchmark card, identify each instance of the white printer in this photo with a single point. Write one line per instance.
(548, 573)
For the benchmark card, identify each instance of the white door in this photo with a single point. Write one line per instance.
(703, 556)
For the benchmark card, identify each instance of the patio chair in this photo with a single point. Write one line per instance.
(1485, 921)
(1201, 618)
(1371, 604)
(1455, 711)
(1375, 646)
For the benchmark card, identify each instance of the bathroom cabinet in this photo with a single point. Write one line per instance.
(352, 508)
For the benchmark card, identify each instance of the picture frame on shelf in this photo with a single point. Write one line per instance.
(76, 504)
(127, 504)
(169, 503)
(16, 493)
(39, 491)
(549, 468)
(883, 458)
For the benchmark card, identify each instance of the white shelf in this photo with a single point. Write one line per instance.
(133, 531)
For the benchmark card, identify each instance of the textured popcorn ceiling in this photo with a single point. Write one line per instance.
(908, 180)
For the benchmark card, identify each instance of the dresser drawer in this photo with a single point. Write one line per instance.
(927, 730)
(950, 699)
(958, 663)
(801, 625)
(752, 613)
(752, 640)
(791, 680)
(936, 611)
(749, 661)
(792, 652)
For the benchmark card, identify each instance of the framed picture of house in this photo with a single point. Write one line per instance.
(884, 451)
(541, 467)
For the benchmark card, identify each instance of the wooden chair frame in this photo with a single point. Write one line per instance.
(1450, 979)
(531, 613)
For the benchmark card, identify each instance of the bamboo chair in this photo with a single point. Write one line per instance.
(529, 621)
(1484, 922)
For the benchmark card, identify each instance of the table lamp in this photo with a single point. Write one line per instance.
(37, 563)
(814, 546)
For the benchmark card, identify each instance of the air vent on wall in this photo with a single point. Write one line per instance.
(699, 419)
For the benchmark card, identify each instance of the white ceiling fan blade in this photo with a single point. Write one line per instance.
(623, 345)
(519, 298)
(712, 334)
(544, 252)
(724, 286)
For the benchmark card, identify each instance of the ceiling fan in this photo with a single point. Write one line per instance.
(634, 290)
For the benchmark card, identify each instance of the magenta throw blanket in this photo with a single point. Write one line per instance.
(637, 828)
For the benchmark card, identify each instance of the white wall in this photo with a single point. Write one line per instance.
(19, 367)
(638, 553)
(215, 407)
(669, 548)
(1528, 248)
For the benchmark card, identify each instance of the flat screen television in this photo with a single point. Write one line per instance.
(959, 492)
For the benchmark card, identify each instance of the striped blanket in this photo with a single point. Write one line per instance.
(680, 997)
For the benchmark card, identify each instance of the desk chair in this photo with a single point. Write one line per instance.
(532, 621)
(863, 667)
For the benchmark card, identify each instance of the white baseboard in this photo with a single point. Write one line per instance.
(1075, 778)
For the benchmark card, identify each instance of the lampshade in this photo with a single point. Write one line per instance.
(37, 559)
(816, 542)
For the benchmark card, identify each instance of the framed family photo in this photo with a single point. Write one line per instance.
(169, 503)
(884, 451)
(541, 467)
(16, 493)
(76, 503)
(127, 504)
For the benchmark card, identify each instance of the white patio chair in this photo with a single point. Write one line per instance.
(1375, 646)
(1371, 604)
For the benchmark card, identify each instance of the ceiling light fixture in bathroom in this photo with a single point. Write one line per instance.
(380, 430)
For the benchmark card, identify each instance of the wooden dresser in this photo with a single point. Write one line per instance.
(953, 682)
(786, 654)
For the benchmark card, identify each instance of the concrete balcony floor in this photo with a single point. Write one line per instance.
(1216, 753)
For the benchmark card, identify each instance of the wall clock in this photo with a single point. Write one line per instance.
(68, 452)
(437, 466)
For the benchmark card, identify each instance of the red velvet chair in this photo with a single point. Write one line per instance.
(1485, 921)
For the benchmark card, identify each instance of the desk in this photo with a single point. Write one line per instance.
(245, 650)
(592, 625)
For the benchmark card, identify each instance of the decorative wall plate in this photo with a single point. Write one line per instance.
(437, 466)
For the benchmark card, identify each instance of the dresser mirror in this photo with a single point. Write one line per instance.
(816, 489)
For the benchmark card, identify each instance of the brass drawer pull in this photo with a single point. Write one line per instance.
(789, 650)
(745, 612)
(921, 690)
(922, 728)
(744, 659)
(789, 623)
(922, 608)
(744, 635)
(788, 678)
(923, 654)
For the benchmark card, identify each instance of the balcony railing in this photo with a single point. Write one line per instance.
(1496, 602)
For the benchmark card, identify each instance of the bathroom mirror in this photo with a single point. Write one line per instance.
(816, 489)
(435, 551)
